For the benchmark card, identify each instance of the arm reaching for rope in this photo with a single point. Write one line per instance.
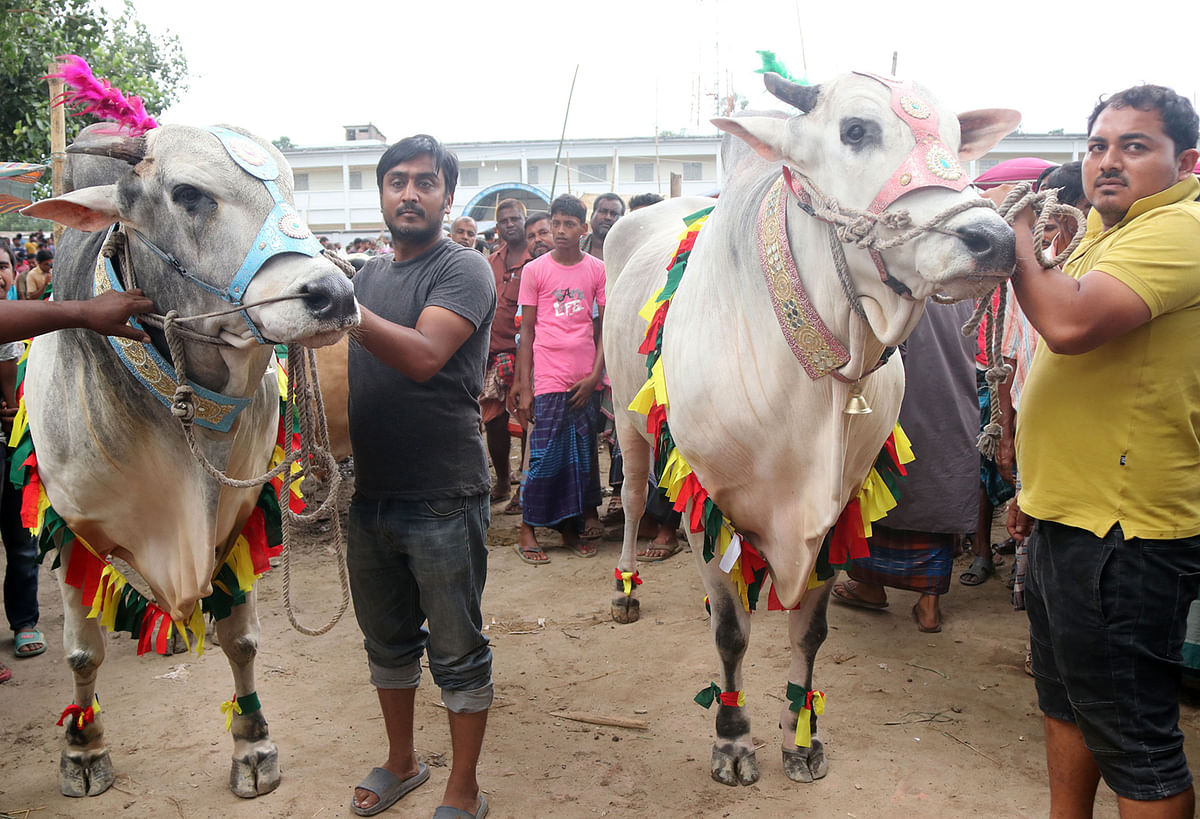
(1074, 316)
(106, 314)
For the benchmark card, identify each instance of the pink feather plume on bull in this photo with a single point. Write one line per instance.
(98, 97)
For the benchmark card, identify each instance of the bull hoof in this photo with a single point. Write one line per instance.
(85, 773)
(739, 768)
(806, 764)
(626, 610)
(255, 774)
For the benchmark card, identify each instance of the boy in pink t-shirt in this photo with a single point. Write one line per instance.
(559, 363)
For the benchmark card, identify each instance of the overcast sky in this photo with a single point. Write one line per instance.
(469, 70)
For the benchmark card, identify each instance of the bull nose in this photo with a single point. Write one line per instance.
(329, 298)
(993, 246)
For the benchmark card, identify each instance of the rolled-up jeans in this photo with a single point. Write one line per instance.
(417, 572)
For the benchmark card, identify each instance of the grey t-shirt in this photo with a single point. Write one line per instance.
(420, 441)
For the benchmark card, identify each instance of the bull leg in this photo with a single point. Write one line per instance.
(255, 769)
(85, 767)
(626, 608)
(807, 629)
(733, 760)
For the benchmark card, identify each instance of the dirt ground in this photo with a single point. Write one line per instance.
(940, 725)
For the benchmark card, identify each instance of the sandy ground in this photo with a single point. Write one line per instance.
(940, 725)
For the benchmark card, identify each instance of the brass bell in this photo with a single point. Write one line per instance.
(856, 404)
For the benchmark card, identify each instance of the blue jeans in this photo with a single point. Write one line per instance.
(418, 562)
(20, 548)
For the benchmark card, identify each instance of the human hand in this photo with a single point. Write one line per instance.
(581, 392)
(1006, 459)
(1019, 524)
(109, 313)
(524, 409)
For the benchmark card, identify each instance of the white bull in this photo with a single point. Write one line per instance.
(764, 433)
(208, 224)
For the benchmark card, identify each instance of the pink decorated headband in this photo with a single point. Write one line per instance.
(99, 98)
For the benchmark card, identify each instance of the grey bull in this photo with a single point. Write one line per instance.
(864, 181)
(209, 228)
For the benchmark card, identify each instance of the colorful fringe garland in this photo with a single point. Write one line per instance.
(739, 558)
(119, 606)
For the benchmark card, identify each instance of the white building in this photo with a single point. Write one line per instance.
(337, 193)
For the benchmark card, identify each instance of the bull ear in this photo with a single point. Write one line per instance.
(982, 129)
(764, 134)
(87, 209)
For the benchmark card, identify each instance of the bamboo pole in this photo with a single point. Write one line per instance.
(58, 143)
(563, 136)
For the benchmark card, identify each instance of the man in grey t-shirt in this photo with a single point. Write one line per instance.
(422, 479)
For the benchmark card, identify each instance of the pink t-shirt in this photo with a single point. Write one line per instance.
(564, 348)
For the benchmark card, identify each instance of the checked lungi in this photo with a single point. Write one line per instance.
(563, 479)
(900, 559)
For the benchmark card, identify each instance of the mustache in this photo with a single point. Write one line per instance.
(414, 209)
(1113, 174)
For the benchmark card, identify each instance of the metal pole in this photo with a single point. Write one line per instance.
(563, 135)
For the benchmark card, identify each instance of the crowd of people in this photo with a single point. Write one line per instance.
(482, 344)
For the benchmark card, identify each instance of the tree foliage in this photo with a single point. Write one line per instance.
(121, 50)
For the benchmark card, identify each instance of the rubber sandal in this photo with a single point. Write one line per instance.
(388, 787)
(978, 573)
(583, 549)
(5, 673)
(669, 552)
(844, 594)
(592, 530)
(514, 505)
(447, 812)
(923, 628)
(525, 555)
(26, 638)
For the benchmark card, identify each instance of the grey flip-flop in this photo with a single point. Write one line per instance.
(447, 812)
(388, 787)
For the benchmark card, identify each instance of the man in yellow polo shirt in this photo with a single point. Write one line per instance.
(1109, 445)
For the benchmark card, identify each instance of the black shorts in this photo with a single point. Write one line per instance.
(1107, 619)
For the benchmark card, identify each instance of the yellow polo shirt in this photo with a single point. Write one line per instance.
(1113, 435)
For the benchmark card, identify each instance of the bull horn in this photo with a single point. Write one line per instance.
(129, 149)
(803, 97)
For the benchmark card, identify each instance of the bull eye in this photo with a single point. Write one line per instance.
(189, 197)
(853, 132)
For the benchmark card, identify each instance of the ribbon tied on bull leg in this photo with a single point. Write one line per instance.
(805, 703)
(240, 705)
(713, 693)
(80, 717)
(629, 579)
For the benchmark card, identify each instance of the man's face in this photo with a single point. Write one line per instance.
(605, 213)
(567, 231)
(6, 270)
(414, 201)
(46, 266)
(1129, 157)
(463, 232)
(510, 224)
(539, 238)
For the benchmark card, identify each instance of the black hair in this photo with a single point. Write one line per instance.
(44, 256)
(535, 217)
(569, 205)
(643, 200)
(1178, 116)
(444, 160)
(1068, 177)
(610, 195)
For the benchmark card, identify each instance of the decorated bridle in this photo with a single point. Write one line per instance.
(282, 231)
